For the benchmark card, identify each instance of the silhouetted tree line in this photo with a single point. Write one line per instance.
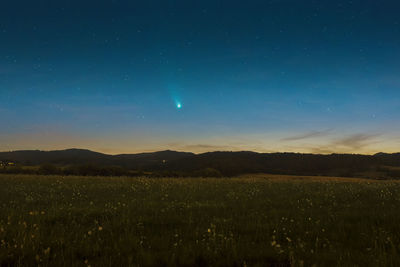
(214, 164)
(95, 170)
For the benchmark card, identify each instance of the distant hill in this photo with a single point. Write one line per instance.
(83, 156)
(68, 156)
(219, 163)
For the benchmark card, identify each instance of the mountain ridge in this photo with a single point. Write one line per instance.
(224, 163)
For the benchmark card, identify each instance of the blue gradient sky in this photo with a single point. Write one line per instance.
(304, 76)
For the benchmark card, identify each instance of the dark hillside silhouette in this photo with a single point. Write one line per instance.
(173, 163)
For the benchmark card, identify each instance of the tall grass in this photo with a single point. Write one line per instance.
(97, 221)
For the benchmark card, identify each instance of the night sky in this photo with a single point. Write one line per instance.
(132, 76)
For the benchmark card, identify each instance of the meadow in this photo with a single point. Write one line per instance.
(255, 220)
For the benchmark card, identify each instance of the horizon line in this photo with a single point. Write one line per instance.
(199, 153)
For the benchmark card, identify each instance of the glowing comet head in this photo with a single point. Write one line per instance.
(178, 105)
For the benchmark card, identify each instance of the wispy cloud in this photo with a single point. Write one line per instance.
(356, 141)
(311, 134)
(205, 147)
(321, 150)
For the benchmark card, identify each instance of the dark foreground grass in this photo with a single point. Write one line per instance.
(81, 221)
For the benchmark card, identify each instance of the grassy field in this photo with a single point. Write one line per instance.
(247, 221)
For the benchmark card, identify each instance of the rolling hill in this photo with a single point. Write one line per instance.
(222, 163)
